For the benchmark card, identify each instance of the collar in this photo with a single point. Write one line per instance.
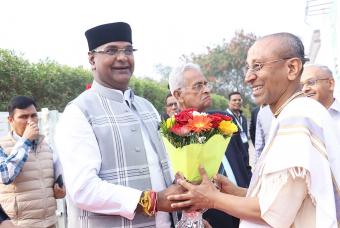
(335, 105)
(113, 94)
(295, 95)
(233, 113)
(15, 136)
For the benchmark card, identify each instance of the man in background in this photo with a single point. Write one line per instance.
(318, 83)
(28, 193)
(171, 106)
(234, 109)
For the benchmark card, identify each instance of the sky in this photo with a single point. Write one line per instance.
(163, 30)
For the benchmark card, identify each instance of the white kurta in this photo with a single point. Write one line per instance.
(294, 170)
(83, 185)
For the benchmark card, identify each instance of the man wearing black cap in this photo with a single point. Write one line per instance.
(113, 157)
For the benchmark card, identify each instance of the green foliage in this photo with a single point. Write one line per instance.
(150, 90)
(218, 102)
(54, 85)
(224, 64)
(51, 84)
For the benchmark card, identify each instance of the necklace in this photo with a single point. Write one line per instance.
(295, 95)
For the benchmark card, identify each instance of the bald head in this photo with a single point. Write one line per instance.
(318, 83)
(275, 65)
(289, 46)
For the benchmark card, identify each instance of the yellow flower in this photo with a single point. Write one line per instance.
(227, 127)
(170, 122)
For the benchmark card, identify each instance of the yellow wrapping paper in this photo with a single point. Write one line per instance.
(188, 158)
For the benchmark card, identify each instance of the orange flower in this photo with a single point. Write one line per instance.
(199, 123)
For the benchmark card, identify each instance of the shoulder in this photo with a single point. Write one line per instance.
(7, 138)
(144, 102)
(84, 97)
(305, 111)
(336, 105)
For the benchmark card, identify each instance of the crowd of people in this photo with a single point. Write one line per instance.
(111, 163)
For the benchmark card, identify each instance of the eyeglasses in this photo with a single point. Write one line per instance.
(172, 104)
(259, 65)
(128, 51)
(312, 82)
(200, 86)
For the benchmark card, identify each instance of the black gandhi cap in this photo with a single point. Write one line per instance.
(106, 33)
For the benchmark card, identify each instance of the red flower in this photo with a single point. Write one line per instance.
(88, 86)
(216, 118)
(180, 130)
(183, 117)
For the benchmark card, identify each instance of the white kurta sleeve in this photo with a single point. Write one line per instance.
(81, 160)
(281, 197)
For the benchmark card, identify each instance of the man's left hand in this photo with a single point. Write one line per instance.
(163, 204)
(59, 192)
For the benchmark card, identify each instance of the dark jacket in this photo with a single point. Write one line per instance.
(3, 215)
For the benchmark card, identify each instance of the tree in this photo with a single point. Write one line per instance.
(164, 71)
(52, 85)
(224, 64)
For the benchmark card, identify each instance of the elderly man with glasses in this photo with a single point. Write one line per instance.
(113, 157)
(293, 181)
(318, 83)
(192, 90)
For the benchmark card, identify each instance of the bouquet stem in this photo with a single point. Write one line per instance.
(191, 220)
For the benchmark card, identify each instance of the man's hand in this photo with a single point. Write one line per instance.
(226, 186)
(206, 224)
(163, 204)
(59, 192)
(198, 196)
(31, 131)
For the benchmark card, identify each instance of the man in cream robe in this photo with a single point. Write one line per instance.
(301, 145)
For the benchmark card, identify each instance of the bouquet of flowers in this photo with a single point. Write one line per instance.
(191, 139)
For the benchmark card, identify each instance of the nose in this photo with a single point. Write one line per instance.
(305, 88)
(207, 88)
(249, 77)
(121, 55)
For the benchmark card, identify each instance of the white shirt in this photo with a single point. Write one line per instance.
(157, 178)
(334, 111)
(81, 162)
(263, 122)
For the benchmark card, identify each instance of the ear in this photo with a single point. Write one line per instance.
(294, 68)
(179, 98)
(91, 60)
(331, 84)
(10, 120)
(177, 94)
